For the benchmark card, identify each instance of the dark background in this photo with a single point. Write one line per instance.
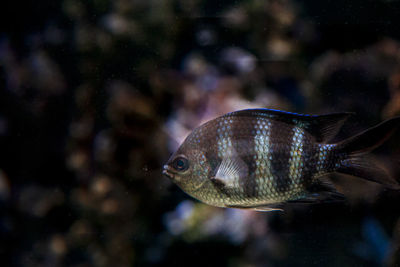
(95, 95)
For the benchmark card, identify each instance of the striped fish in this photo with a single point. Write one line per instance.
(255, 158)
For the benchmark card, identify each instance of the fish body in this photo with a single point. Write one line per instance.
(259, 157)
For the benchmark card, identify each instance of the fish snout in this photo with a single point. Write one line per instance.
(166, 171)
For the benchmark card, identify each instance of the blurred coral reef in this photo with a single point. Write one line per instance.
(95, 95)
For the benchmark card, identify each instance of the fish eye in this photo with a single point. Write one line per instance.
(180, 164)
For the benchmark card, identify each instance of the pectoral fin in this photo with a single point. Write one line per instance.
(230, 170)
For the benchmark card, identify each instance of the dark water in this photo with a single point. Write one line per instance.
(95, 95)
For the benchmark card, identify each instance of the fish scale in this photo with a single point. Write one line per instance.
(262, 155)
(265, 187)
(255, 158)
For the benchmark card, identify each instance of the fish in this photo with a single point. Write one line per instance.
(260, 158)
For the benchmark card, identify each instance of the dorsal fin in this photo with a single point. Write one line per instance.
(322, 127)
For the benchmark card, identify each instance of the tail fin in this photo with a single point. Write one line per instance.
(358, 164)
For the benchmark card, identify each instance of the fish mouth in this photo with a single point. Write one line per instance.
(167, 172)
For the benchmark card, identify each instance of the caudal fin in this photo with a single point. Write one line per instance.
(359, 164)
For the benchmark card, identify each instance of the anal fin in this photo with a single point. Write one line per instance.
(320, 191)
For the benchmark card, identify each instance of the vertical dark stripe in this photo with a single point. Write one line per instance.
(280, 145)
(309, 159)
(210, 142)
(243, 134)
(213, 161)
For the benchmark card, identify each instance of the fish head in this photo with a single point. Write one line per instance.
(188, 168)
